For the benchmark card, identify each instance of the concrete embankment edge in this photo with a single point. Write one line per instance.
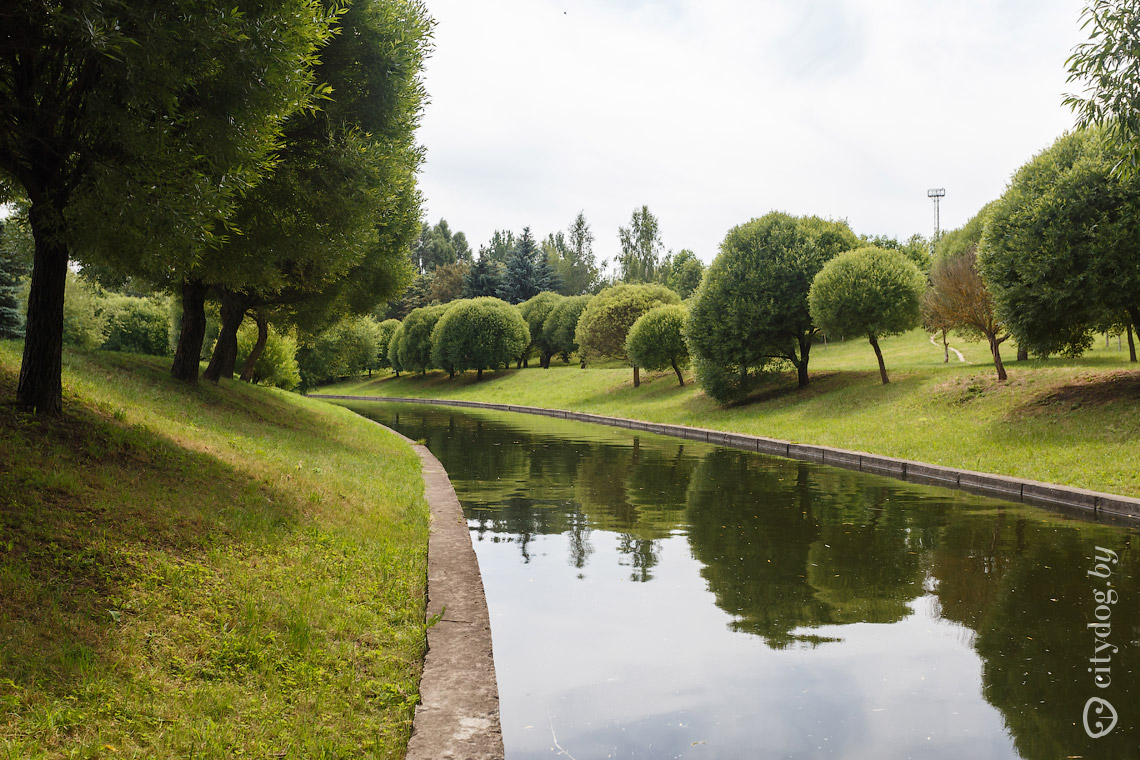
(1076, 500)
(458, 714)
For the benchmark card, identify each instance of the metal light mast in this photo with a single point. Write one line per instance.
(935, 194)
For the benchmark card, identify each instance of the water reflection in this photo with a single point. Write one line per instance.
(653, 597)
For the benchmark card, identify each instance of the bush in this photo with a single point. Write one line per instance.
(535, 311)
(480, 333)
(277, 365)
(751, 311)
(393, 355)
(84, 324)
(560, 324)
(385, 331)
(415, 338)
(656, 341)
(606, 320)
(869, 291)
(348, 348)
(137, 325)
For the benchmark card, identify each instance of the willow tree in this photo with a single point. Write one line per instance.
(140, 120)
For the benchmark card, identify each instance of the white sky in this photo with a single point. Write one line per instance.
(716, 112)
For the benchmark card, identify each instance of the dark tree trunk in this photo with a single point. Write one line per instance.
(479, 375)
(680, 378)
(879, 356)
(945, 348)
(258, 348)
(224, 358)
(40, 387)
(1022, 353)
(188, 354)
(636, 376)
(1134, 320)
(801, 363)
(995, 349)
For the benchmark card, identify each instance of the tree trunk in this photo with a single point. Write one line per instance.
(224, 358)
(677, 369)
(995, 349)
(636, 376)
(879, 356)
(188, 354)
(258, 348)
(1022, 353)
(945, 348)
(40, 387)
(802, 363)
(1134, 320)
(479, 375)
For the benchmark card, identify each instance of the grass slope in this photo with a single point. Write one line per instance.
(1071, 421)
(210, 573)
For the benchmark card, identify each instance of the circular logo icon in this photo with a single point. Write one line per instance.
(1100, 707)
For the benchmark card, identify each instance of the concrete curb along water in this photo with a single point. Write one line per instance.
(458, 714)
(986, 484)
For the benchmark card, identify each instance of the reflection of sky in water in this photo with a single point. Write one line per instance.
(625, 669)
(655, 598)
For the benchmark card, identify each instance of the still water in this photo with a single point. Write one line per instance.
(658, 598)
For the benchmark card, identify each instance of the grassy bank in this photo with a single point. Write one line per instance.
(211, 573)
(1071, 421)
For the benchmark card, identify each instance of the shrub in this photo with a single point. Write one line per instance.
(84, 324)
(480, 333)
(535, 311)
(137, 325)
(751, 310)
(869, 291)
(415, 338)
(385, 331)
(393, 355)
(656, 341)
(606, 320)
(277, 365)
(560, 324)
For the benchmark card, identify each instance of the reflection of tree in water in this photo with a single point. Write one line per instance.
(787, 545)
(1022, 584)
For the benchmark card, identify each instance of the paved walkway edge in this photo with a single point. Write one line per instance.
(1077, 500)
(458, 714)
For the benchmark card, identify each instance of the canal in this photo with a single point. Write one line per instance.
(658, 598)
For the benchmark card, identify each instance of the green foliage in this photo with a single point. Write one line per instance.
(1108, 66)
(137, 325)
(479, 334)
(572, 255)
(437, 247)
(535, 312)
(528, 272)
(656, 341)
(641, 247)
(916, 248)
(483, 278)
(448, 282)
(1059, 251)
(605, 322)
(684, 273)
(348, 348)
(869, 291)
(15, 247)
(561, 323)
(415, 338)
(84, 322)
(965, 238)
(277, 366)
(752, 307)
(499, 247)
(384, 332)
(393, 355)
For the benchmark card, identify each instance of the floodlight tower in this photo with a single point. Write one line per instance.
(935, 194)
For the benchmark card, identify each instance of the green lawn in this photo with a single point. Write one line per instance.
(1071, 421)
(218, 572)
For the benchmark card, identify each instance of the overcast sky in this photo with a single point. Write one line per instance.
(712, 112)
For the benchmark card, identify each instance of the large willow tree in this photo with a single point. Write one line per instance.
(137, 119)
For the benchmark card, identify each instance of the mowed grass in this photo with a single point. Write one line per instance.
(1070, 421)
(220, 572)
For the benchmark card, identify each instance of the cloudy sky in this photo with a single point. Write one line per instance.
(712, 112)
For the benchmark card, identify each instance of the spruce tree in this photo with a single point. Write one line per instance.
(521, 280)
(483, 278)
(12, 270)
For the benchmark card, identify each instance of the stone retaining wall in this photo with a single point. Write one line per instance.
(986, 484)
